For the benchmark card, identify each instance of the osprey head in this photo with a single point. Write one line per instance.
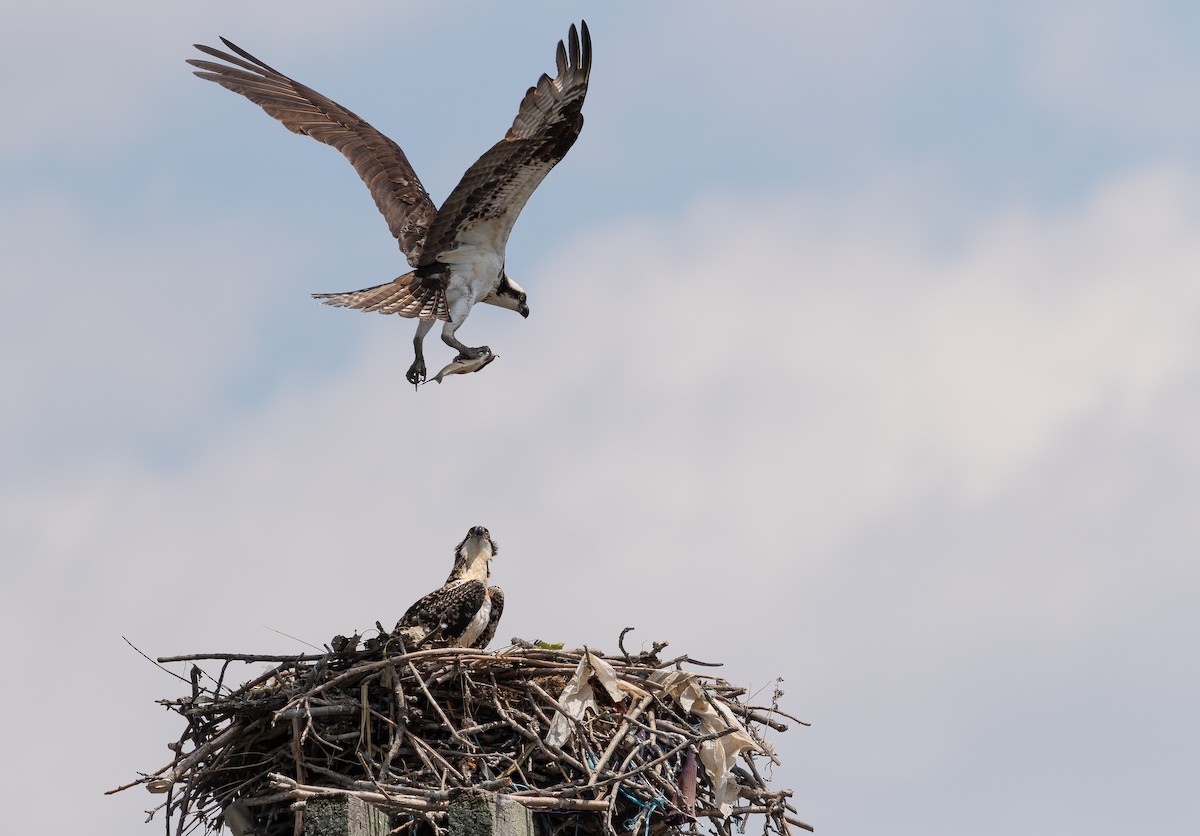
(508, 294)
(473, 554)
(478, 535)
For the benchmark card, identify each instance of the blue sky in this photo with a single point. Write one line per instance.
(863, 352)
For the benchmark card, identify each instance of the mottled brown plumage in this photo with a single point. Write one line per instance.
(465, 610)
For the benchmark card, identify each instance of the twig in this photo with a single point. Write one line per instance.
(151, 661)
(239, 657)
(438, 708)
(630, 716)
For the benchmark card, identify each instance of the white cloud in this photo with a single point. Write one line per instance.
(114, 336)
(829, 369)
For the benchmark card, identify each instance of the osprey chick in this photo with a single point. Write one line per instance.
(457, 251)
(465, 611)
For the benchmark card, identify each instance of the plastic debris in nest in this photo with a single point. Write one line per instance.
(592, 743)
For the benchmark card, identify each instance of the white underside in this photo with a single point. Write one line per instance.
(475, 266)
(478, 623)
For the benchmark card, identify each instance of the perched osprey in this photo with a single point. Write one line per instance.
(465, 611)
(457, 252)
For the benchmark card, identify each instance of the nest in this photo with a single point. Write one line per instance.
(592, 744)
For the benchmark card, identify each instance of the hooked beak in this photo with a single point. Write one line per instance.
(523, 311)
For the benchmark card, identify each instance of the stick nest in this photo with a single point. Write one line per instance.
(654, 749)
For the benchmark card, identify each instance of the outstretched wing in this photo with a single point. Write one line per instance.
(493, 192)
(379, 162)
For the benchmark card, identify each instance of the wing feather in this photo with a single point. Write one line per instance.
(378, 160)
(449, 609)
(411, 296)
(489, 632)
(498, 185)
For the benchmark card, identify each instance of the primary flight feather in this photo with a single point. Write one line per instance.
(457, 251)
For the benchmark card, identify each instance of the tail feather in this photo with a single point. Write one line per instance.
(404, 296)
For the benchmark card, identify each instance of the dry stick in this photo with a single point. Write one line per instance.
(211, 771)
(613, 792)
(145, 779)
(151, 661)
(333, 775)
(343, 710)
(311, 729)
(662, 727)
(774, 709)
(541, 715)
(661, 758)
(754, 769)
(267, 800)
(615, 789)
(746, 712)
(612, 807)
(241, 657)
(228, 796)
(468, 696)
(297, 749)
(714, 813)
(364, 715)
(516, 762)
(418, 803)
(403, 789)
(371, 667)
(552, 751)
(545, 664)
(150, 815)
(579, 726)
(182, 806)
(221, 678)
(420, 744)
(367, 769)
(630, 716)
(652, 775)
(484, 727)
(179, 767)
(400, 717)
(450, 726)
(259, 680)
(679, 660)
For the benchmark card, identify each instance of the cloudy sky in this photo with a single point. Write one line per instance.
(864, 352)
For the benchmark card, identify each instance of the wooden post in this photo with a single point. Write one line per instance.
(344, 815)
(471, 813)
(480, 813)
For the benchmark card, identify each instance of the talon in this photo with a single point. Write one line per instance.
(416, 373)
(472, 353)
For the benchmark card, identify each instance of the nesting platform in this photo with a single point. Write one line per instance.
(591, 743)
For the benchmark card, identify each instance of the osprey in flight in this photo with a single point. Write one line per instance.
(465, 611)
(457, 251)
